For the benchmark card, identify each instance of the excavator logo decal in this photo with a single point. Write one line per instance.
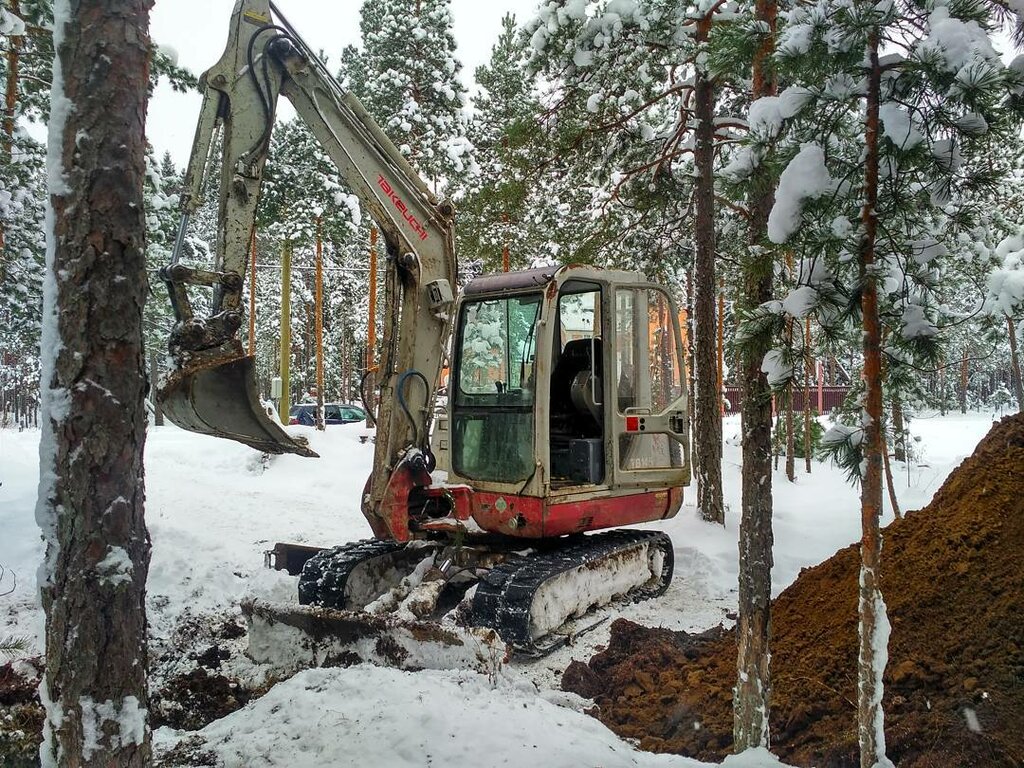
(399, 203)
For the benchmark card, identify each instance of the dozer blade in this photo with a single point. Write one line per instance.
(290, 637)
(217, 396)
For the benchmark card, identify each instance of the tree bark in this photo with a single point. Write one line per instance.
(11, 90)
(1015, 377)
(708, 418)
(808, 371)
(752, 696)
(898, 427)
(874, 624)
(286, 332)
(367, 388)
(343, 390)
(963, 382)
(321, 422)
(94, 384)
(720, 341)
(889, 484)
(691, 379)
(154, 374)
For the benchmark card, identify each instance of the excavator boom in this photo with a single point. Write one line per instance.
(212, 388)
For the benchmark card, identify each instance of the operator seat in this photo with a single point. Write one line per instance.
(566, 417)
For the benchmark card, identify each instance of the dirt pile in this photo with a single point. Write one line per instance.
(953, 579)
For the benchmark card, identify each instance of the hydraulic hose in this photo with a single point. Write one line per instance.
(421, 440)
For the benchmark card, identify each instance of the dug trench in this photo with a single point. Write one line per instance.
(953, 580)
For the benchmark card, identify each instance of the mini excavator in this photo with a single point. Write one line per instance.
(566, 407)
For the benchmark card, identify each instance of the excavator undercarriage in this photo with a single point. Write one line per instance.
(478, 601)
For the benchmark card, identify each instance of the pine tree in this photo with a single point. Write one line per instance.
(865, 159)
(407, 77)
(301, 185)
(499, 205)
(632, 81)
(752, 38)
(90, 507)
(161, 199)
(25, 66)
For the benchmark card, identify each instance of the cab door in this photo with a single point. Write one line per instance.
(646, 401)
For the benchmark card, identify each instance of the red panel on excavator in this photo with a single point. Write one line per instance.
(531, 517)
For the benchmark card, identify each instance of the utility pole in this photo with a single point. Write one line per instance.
(286, 330)
(319, 313)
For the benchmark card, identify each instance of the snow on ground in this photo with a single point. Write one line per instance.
(214, 507)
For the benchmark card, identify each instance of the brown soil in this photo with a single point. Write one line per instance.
(953, 580)
(190, 686)
(193, 700)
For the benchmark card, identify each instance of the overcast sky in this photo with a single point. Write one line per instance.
(197, 31)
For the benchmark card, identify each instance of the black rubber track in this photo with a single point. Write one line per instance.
(504, 596)
(323, 577)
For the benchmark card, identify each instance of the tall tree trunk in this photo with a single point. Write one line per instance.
(943, 388)
(318, 311)
(963, 382)
(343, 391)
(788, 395)
(889, 484)
(707, 435)
(752, 696)
(691, 377)
(154, 375)
(899, 429)
(808, 371)
(1015, 378)
(90, 508)
(367, 387)
(874, 624)
(721, 349)
(10, 105)
(286, 332)
(790, 437)
(11, 91)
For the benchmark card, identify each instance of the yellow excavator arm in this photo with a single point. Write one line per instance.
(212, 388)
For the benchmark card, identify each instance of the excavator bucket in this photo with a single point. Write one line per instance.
(217, 396)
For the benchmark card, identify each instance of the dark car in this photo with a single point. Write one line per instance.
(334, 413)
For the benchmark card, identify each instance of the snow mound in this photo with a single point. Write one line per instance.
(368, 715)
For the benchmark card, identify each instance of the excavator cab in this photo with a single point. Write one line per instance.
(568, 384)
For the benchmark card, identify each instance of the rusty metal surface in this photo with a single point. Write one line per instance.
(216, 395)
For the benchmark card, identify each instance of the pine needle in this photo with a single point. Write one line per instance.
(12, 646)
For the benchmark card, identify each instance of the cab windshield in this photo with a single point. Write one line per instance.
(492, 417)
